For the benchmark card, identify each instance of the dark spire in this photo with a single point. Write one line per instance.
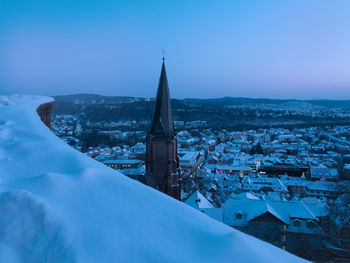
(162, 122)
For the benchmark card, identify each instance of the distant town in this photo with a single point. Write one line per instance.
(276, 169)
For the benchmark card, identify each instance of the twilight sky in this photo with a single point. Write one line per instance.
(249, 48)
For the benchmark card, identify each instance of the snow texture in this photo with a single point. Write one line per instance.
(58, 205)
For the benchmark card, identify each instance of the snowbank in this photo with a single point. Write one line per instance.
(58, 205)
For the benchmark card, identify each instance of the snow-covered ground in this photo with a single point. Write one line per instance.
(58, 205)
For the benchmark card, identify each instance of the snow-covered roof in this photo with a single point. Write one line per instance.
(234, 168)
(323, 172)
(121, 161)
(197, 200)
(244, 195)
(62, 206)
(252, 208)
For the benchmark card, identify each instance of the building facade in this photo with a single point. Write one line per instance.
(190, 162)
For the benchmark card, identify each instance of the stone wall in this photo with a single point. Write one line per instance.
(45, 113)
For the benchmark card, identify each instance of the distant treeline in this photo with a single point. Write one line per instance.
(215, 112)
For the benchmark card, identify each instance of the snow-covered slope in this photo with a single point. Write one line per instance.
(58, 205)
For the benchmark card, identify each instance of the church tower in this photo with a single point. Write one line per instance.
(162, 162)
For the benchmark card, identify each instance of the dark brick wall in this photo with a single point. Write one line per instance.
(162, 164)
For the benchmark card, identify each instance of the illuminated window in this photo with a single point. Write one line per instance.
(283, 238)
(284, 247)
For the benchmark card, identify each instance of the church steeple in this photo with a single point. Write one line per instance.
(162, 162)
(162, 121)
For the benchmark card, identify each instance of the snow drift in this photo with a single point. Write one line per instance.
(58, 205)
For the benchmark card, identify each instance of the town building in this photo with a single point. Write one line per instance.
(190, 162)
(324, 173)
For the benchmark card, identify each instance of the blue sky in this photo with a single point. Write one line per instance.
(262, 48)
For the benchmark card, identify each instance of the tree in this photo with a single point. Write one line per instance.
(256, 149)
(259, 149)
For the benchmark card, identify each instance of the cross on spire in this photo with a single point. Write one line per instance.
(163, 54)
